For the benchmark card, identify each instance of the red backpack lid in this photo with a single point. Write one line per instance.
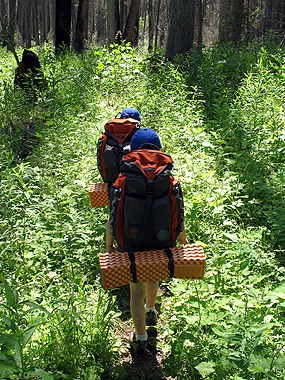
(121, 129)
(150, 162)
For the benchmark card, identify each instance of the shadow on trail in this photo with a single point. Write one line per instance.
(146, 367)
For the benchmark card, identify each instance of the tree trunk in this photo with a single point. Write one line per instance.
(113, 20)
(101, 22)
(181, 28)
(157, 24)
(131, 26)
(198, 23)
(62, 24)
(150, 25)
(275, 16)
(82, 20)
(44, 16)
(231, 21)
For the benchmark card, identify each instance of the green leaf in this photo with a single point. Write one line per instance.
(28, 334)
(36, 306)
(259, 364)
(9, 294)
(8, 340)
(279, 363)
(18, 355)
(205, 368)
(43, 374)
(6, 370)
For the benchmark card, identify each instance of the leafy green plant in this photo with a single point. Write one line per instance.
(16, 332)
(219, 113)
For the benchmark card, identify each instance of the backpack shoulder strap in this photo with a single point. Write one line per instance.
(117, 196)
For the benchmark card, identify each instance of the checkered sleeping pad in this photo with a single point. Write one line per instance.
(98, 194)
(118, 269)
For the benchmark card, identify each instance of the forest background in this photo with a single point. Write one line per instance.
(219, 110)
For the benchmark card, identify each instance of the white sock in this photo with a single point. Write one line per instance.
(147, 309)
(142, 337)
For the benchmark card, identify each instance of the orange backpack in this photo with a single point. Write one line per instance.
(146, 203)
(113, 145)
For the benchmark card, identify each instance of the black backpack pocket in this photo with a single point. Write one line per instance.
(135, 232)
(161, 218)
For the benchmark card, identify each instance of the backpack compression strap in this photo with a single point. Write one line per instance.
(133, 268)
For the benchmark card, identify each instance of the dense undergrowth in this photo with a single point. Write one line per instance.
(220, 115)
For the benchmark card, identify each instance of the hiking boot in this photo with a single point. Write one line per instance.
(139, 347)
(151, 318)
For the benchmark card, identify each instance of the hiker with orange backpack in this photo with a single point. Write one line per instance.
(146, 213)
(113, 144)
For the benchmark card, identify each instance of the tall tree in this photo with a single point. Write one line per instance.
(131, 27)
(150, 25)
(181, 28)
(62, 24)
(198, 22)
(81, 25)
(275, 15)
(101, 21)
(113, 20)
(231, 20)
(157, 24)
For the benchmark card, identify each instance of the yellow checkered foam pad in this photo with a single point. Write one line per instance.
(98, 194)
(189, 263)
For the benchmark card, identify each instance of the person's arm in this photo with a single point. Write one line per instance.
(182, 237)
(109, 239)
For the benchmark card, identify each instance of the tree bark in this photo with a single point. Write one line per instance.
(198, 23)
(181, 28)
(157, 24)
(231, 21)
(62, 24)
(150, 25)
(82, 20)
(275, 16)
(131, 26)
(113, 20)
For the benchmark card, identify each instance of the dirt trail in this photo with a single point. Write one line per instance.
(148, 367)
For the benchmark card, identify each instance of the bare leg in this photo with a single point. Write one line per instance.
(137, 300)
(151, 293)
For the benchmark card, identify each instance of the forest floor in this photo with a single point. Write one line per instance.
(148, 366)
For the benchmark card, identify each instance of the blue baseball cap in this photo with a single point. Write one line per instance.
(131, 112)
(145, 139)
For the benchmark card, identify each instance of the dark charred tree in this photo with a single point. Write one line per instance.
(150, 25)
(123, 12)
(198, 23)
(181, 28)
(231, 21)
(25, 17)
(44, 18)
(275, 16)
(131, 27)
(100, 22)
(8, 19)
(81, 25)
(163, 22)
(157, 24)
(113, 21)
(62, 24)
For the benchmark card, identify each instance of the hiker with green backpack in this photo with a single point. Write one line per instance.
(146, 213)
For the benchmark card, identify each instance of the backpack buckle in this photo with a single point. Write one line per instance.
(150, 186)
